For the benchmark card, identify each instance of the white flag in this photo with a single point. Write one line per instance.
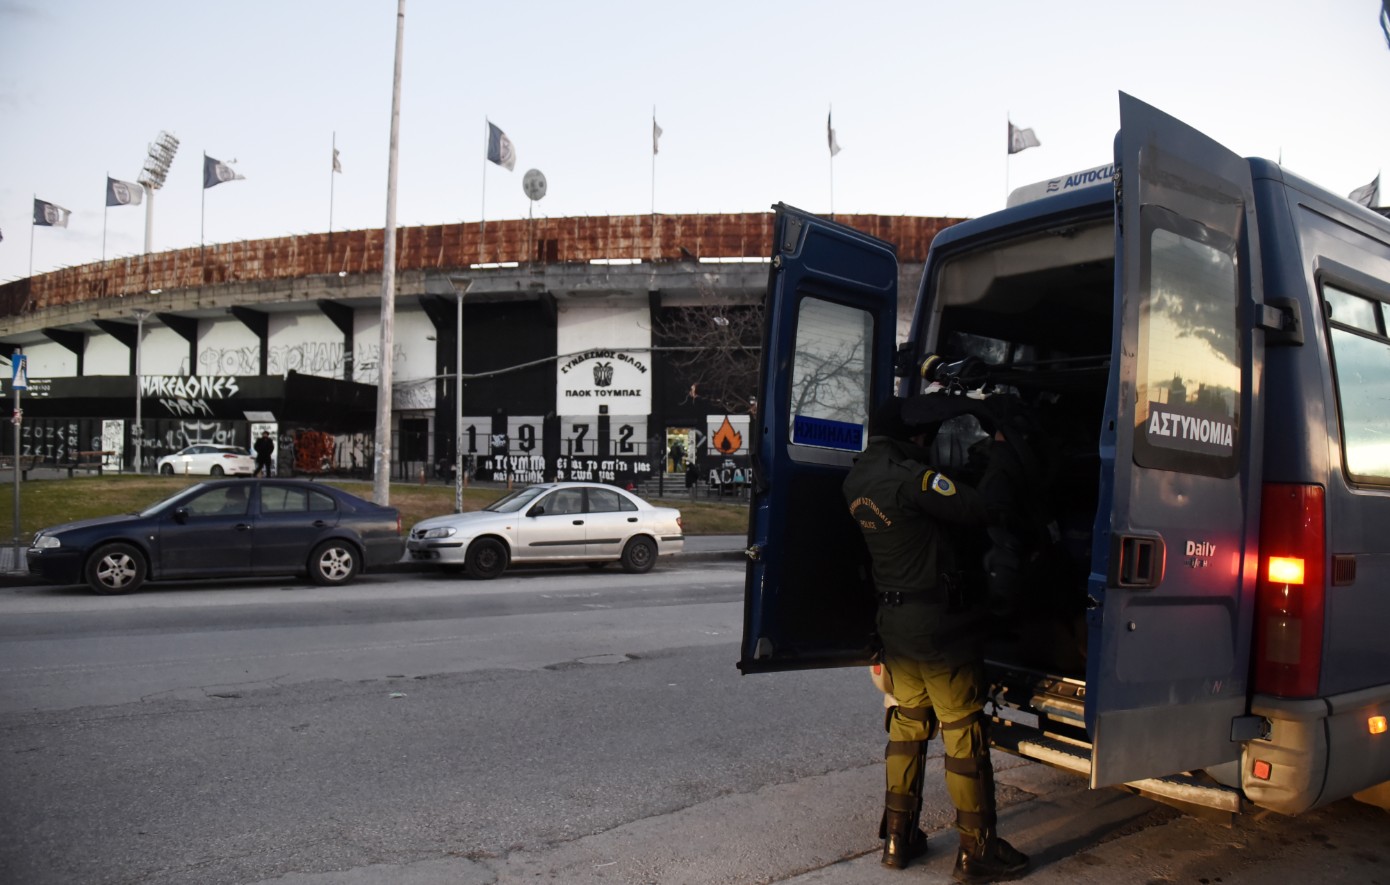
(123, 193)
(500, 149)
(1021, 139)
(830, 136)
(656, 136)
(216, 172)
(1367, 195)
(337, 166)
(48, 214)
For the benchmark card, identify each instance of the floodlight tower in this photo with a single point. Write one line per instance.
(161, 155)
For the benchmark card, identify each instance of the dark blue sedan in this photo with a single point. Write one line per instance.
(224, 529)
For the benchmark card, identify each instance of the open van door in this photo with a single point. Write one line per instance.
(831, 319)
(1172, 583)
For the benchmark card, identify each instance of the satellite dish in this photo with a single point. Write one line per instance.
(533, 183)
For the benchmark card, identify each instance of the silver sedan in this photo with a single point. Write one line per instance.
(560, 522)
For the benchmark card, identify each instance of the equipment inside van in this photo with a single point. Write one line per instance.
(1191, 352)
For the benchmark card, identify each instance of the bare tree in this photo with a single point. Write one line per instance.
(715, 349)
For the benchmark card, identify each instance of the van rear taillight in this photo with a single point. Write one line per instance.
(1292, 590)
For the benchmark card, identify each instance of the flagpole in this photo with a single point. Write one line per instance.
(830, 115)
(330, 189)
(104, 209)
(32, 224)
(202, 224)
(482, 234)
(653, 167)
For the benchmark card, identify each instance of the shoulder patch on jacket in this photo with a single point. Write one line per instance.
(937, 482)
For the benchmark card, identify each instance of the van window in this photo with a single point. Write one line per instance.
(1189, 351)
(831, 373)
(1361, 361)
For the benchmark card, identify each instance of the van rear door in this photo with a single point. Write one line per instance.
(1173, 568)
(831, 316)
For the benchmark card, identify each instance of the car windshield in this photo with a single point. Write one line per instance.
(517, 500)
(160, 505)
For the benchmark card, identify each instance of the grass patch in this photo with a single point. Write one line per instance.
(52, 501)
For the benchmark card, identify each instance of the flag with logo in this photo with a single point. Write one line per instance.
(48, 214)
(830, 136)
(500, 149)
(216, 172)
(1368, 194)
(656, 137)
(123, 193)
(1021, 139)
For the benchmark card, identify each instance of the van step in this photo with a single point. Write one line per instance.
(1183, 790)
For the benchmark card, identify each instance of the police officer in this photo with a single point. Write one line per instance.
(931, 626)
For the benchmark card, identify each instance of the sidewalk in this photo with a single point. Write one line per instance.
(698, 548)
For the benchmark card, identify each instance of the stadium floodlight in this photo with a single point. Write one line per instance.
(160, 157)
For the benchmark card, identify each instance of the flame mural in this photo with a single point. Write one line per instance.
(727, 439)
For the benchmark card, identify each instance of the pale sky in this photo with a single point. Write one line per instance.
(921, 93)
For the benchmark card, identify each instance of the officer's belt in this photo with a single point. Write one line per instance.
(895, 598)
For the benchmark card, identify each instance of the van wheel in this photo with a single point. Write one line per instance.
(639, 556)
(114, 569)
(333, 562)
(486, 559)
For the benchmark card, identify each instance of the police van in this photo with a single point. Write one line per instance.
(1196, 351)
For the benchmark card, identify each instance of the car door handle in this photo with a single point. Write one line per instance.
(578, 522)
(243, 526)
(632, 519)
(318, 523)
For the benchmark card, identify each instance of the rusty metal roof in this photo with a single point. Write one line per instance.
(443, 247)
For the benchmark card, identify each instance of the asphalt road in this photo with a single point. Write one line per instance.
(559, 725)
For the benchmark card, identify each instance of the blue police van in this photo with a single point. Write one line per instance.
(1196, 353)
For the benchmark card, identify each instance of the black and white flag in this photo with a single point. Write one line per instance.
(123, 193)
(215, 172)
(1021, 139)
(1367, 194)
(49, 214)
(500, 149)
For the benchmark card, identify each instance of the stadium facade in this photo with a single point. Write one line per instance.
(589, 346)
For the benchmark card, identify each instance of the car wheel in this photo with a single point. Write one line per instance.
(486, 559)
(639, 556)
(166, 469)
(216, 470)
(115, 569)
(333, 562)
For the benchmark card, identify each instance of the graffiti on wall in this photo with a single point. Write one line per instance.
(325, 358)
(230, 360)
(315, 451)
(368, 360)
(187, 394)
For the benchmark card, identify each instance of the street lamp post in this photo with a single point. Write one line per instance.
(138, 431)
(460, 287)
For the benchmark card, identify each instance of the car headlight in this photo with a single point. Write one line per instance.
(441, 532)
(47, 542)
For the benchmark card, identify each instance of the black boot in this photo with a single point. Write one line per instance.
(989, 859)
(902, 839)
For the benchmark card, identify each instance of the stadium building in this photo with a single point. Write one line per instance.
(590, 347)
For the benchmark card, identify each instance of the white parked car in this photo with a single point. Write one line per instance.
(209, 460)
(551, 522)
